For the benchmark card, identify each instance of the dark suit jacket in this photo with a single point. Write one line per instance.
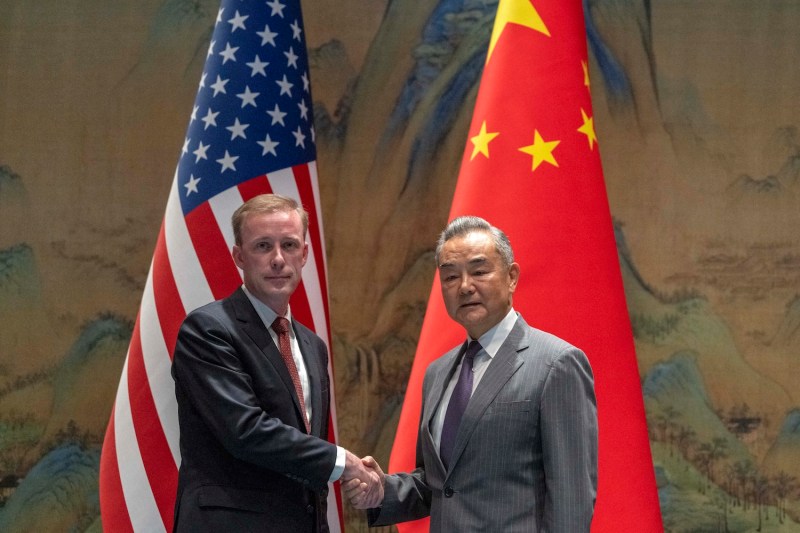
(525, 456)
(247, 463)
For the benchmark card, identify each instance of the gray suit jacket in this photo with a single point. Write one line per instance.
(525, 457)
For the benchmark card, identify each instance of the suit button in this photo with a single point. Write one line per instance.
(448, 491)
(310, 509)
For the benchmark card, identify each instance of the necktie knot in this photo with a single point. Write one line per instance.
(281, 325)
(472, 350)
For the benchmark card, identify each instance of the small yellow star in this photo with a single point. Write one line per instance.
(481, 142)
(519, 12)
(588, 129)
(541, 150)
(585, 66)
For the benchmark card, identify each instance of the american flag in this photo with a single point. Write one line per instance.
(250, 132)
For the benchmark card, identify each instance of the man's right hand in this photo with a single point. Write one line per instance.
(363, 481)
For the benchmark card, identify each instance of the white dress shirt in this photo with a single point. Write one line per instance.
(490, 344)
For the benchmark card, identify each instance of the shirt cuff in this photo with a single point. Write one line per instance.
(338, 468)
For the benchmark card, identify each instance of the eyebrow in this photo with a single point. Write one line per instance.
(476, 261)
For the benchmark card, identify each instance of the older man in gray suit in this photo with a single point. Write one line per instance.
(508, 433)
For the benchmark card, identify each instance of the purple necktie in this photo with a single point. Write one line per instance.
(458, 403)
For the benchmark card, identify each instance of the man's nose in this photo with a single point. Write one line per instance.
(466, 286)
(277, 258)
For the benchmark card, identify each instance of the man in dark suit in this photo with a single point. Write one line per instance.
(253, 394)
(508, 433)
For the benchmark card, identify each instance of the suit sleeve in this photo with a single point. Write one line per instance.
(406, 494)
(209, 373)
(569, 443)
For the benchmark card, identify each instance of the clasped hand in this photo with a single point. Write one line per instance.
(362, 482)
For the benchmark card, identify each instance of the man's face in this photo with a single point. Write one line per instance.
(476, 287)
(271, 256)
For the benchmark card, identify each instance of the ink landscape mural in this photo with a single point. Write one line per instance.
(698, 124)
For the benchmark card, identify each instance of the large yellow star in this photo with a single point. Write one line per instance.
(541, 150)
(481, 142)
(588, 129)
(519, 12)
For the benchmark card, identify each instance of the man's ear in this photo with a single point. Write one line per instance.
(513, 274)
(236, 253)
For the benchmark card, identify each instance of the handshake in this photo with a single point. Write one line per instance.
(362, 482)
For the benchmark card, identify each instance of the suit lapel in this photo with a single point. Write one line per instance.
(254, 327)
(504, 364)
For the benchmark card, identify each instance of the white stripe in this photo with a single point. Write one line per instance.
(317, 305)
(139, 499)
(189, 277)
(157, 365)
(223, 205)
(312, 169)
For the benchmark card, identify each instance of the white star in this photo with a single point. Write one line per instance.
(305, 81)
(291, 58)
(203, 79)
(258, 67)
(268, 145)
(227, 162)
(277, 8)
(210, 119)
(238, 21)
(219, 15)
(229, 53)
(267, 36)
(296, 29)
(303, 109)
(300, 139)
(185, 149)
(219, 86)
(194, 113)
(248, 97)
(237, 130)
(191, 185)
(201, 152)
(211, 48)
(277, 116)
(286, 87)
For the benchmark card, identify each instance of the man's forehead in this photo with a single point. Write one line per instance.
(468, 251)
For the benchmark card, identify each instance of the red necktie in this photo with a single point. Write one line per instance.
(281, 327)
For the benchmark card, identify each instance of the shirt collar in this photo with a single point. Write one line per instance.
(265, 312)
(497, 334)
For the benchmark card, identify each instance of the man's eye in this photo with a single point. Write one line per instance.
(263, 246)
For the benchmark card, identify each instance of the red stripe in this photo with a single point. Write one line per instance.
(301, 311)
(167, 298)
(212, 252)
(162, 473)
(113, 511)
(253, 187)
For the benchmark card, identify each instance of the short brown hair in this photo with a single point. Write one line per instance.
(266, 203)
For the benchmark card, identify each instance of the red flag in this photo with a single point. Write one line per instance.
(250, 132)
(532, 168)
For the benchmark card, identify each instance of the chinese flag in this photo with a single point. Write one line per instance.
(532, 168)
